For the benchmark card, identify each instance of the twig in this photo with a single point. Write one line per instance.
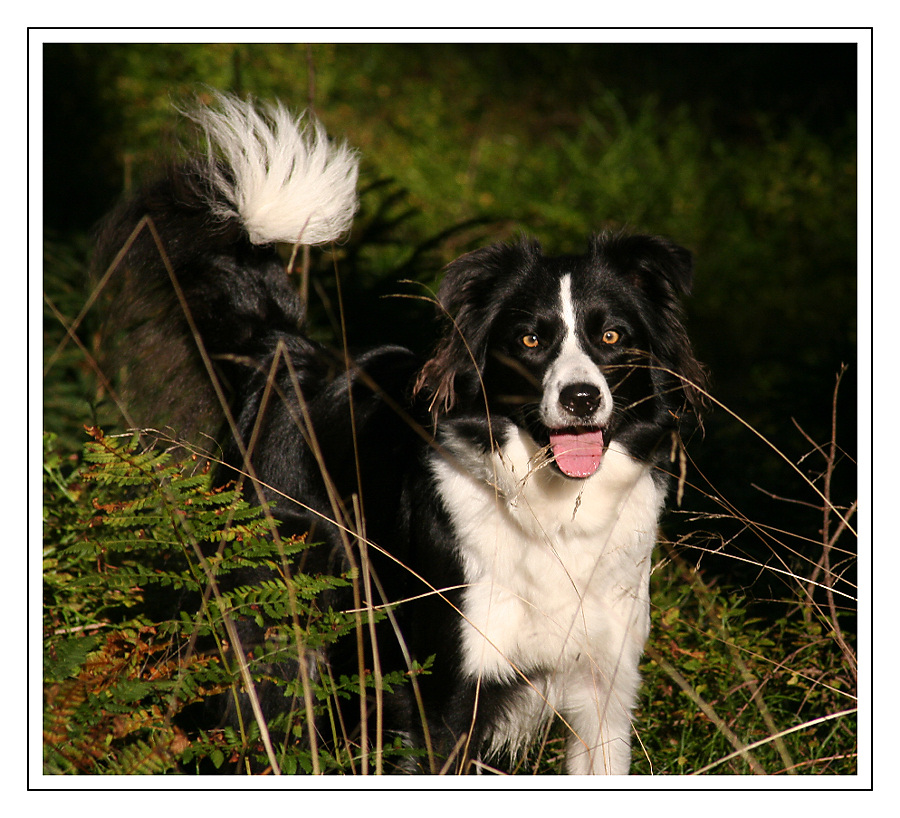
(706, 708)
(828, 539)
(783, 733)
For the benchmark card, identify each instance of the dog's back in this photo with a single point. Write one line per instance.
(194, 271)
(204, 333)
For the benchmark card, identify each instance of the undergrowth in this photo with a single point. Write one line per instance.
(735, 685)
(126, 525)
(726, 690)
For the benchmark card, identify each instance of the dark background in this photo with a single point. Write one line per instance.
(725, 85)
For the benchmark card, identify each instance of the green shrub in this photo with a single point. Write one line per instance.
(128, 523)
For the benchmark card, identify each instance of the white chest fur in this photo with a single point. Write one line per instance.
(557, 570)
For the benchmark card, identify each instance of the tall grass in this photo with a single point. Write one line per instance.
(728, 688)
(768, 688)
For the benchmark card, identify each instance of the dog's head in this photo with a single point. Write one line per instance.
(577, 350)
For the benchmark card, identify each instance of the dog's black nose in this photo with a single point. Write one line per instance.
(580, 399)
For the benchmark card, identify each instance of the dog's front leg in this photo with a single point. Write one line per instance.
(600, 743)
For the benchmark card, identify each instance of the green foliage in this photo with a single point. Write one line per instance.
(126, 522)
(725, 691)
(719, 679)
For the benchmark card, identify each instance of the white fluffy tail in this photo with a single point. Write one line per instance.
(287, 182)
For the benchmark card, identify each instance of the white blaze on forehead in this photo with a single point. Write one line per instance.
(572, 365)
(567, 305)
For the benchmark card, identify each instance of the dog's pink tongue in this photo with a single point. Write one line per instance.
(577, 454)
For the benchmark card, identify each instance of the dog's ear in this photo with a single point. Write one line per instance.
(470, 292)
(656, 265)
(664, 261)
(663, 272)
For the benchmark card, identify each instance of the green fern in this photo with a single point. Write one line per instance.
(127, 523)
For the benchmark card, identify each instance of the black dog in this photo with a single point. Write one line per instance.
(510, 485)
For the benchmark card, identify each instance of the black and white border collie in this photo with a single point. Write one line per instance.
(504, 493)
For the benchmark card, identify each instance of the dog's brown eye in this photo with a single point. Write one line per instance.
(531, 341)
(611, 337)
